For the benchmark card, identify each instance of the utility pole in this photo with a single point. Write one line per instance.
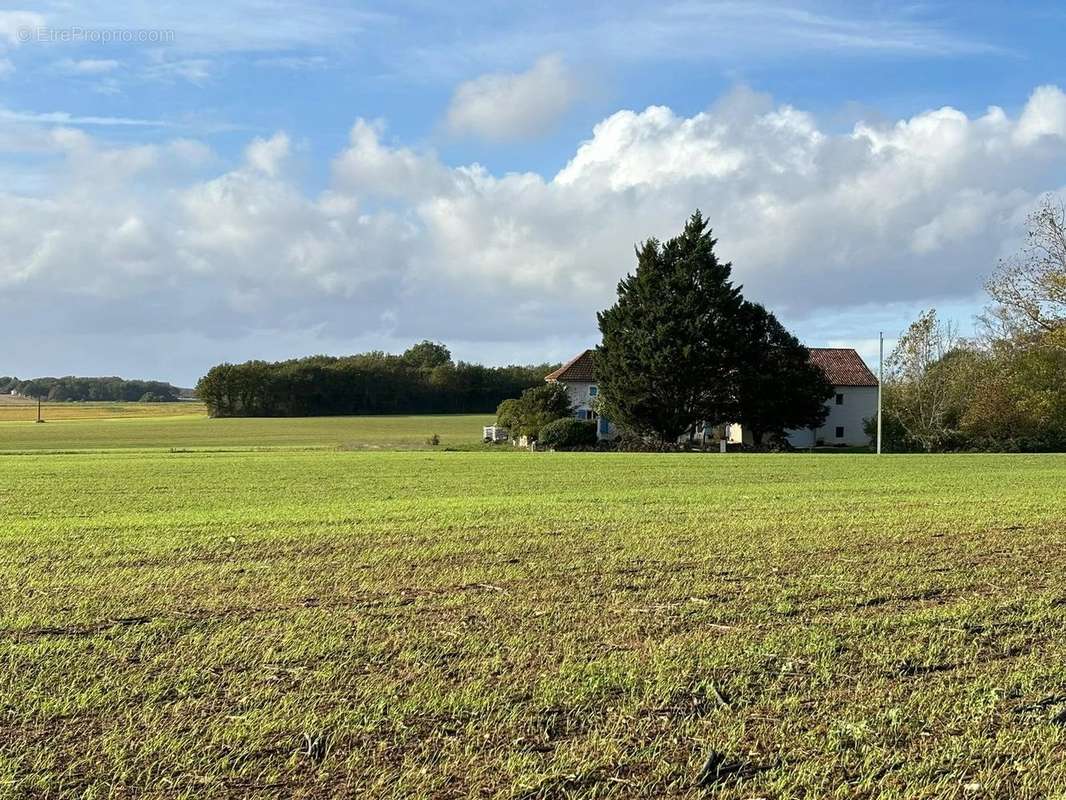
(880, 380)
(39, 409)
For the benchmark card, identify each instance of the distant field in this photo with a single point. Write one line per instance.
(196, 430)
(18, 409)
(469, 625)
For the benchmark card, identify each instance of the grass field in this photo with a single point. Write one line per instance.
(94, 430)
(430, 624)
(21, 410)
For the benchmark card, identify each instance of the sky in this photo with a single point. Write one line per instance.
(188, 183)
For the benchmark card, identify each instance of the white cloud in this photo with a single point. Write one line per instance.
(819, 225)
(90, 66)
(15, 24)
(64, 118)
(294, 62)
(368, 167)
(268, 155)
(521, 105)
(1044, 115)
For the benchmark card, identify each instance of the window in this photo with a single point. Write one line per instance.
(593, 391)
(582, 413)
(840, 399)
(604, 426)
(840, 431)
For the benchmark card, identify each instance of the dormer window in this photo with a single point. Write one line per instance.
(593, 391)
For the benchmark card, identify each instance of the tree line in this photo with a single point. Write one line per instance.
(1004, 388)
(422, 380)
(109, 389)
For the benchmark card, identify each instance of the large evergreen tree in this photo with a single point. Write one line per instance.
(670, 346)
(777, 387)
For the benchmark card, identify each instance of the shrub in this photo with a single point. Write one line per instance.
(564, 434)
(433, 440)
(528, 414)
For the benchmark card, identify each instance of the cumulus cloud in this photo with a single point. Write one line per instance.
(268, 155)
(820, 224)
(505, 106)
(1044, 115)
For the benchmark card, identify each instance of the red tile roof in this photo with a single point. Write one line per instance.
(842, 366)
(578, 369)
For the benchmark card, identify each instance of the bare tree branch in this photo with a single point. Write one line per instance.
(1030, 288)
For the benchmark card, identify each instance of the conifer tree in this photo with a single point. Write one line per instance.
(670, 346)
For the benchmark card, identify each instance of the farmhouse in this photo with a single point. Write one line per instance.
(854, 399)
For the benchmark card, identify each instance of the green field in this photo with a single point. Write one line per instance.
(93, 426)
(323, 623)
(18, 409)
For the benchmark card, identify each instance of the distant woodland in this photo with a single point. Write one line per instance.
(90, 389)
(423, 380)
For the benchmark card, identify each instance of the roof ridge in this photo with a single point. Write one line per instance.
(842, 366)
(559, 373)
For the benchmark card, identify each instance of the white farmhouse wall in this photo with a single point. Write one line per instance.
(582, 400)
(860, 403)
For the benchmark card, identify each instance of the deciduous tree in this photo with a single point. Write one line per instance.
(1030, 288)
(918, 386)
(537, 407)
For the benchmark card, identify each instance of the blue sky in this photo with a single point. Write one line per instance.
(265, 179)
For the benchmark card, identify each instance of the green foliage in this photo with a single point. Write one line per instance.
(670, 342)
(568, 433)
(427, 355)
(1008, 393)
(536, 407)
(422, 381)
(681, 346)
(894, 438)
(509, 413)
(777, 386)
(918, 382)
(71, 388)
(1019, 397)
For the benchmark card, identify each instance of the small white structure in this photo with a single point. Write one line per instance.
(494, 434)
